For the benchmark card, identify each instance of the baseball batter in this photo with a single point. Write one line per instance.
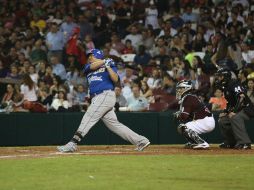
(102, 75)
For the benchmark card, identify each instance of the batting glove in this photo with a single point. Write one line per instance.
(107, 62)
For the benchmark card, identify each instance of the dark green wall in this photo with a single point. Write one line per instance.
(21, 129)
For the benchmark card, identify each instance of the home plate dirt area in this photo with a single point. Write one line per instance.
(50, 151)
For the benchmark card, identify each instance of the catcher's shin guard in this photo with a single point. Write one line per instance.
(77, 137)
(189, 134)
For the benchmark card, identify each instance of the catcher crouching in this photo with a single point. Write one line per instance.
(194, 117)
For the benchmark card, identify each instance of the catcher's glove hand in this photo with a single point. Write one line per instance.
(176, 114)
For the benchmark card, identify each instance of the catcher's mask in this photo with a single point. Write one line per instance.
(183, 87)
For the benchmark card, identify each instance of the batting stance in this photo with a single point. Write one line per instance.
(195, 118)
(102, 75)
(239, 109)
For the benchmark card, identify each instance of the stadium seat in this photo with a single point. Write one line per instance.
(159, 91)
(128, 57)
(158, 107)
(166, 98)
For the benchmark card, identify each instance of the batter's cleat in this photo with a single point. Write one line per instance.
(141, 146)
(243, 146)
(226, 146)
(69, 147)
(189, 145)
(204, 145)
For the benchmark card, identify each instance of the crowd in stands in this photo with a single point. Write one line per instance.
(155, 44)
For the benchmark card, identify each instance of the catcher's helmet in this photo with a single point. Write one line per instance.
(183, 87)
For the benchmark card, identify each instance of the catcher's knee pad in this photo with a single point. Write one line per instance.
(181, 128)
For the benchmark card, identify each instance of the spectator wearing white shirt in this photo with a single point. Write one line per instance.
(247, 54)
(135, 37)
(152, 16)
(34, 76)
(154, 81)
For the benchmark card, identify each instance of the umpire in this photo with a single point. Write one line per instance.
(239, 108)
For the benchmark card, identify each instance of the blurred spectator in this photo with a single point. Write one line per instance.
(44, 97)
(34, 76)
(198, 43)
(116, 43)
(176, 21)
(14, 73)
(68, 26)
(156, 48)
(85, 27)
(58, 68)
(60, 103)
(123, 18)
(250, 90)
(55, 87)
(218, 102)
(28, 90)
(154, 81)
(242, 75)
(136, 102)
(48, 77)
(188, 15)
(146, 92)
(120, 99)
(8, 96)
(41, 69)
(128, 49)
(38, 54)
(55, 41)
(142, 58)
(148, 39)
(247, 54)
(3, 70)
(151, 16)
(80, 94)
(168, 85)
(89, 43)
(134, 36)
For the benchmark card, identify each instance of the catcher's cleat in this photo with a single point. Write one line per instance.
(141, 146)
(69, 147)
(204, 145)
(189, 145)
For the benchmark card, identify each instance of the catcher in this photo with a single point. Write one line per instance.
(194, 117)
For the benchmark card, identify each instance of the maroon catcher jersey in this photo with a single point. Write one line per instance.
(191, 108)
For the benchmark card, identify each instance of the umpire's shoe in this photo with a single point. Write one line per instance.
(226, 146)
(243, 146)
(69, 147)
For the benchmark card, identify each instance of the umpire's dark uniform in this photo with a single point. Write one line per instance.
(233, 129)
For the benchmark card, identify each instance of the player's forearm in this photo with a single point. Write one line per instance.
(113, 75)
(96, 65)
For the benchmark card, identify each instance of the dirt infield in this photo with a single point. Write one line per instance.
(50, 151)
